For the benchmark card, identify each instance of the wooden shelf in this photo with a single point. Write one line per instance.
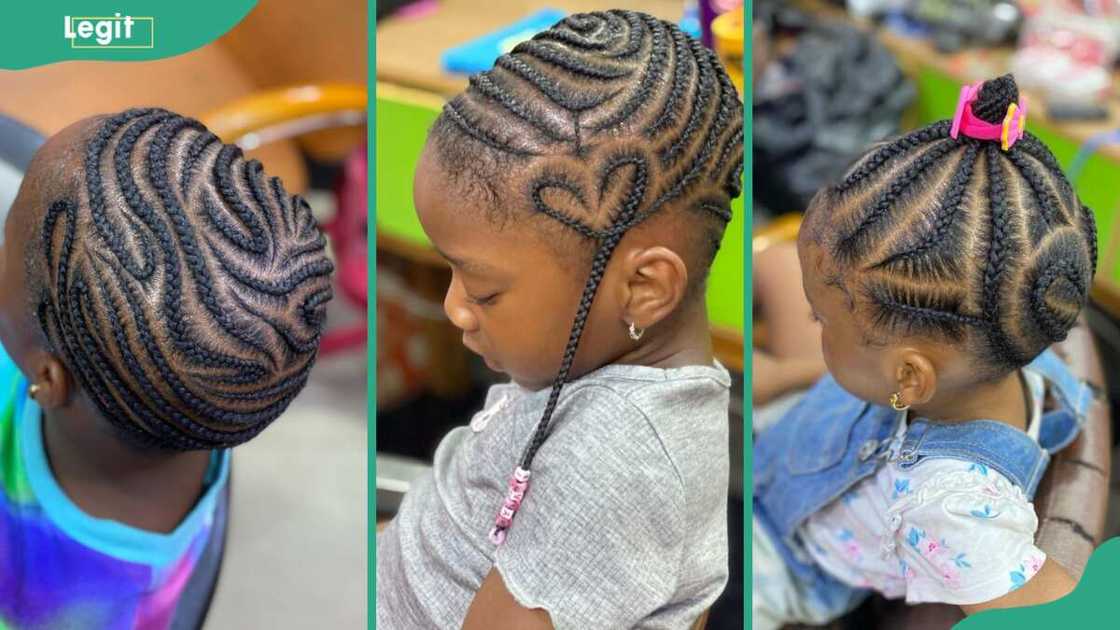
(409, 49)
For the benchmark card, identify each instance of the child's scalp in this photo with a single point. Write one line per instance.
(581, 96)
(960, 239)
(184, 289)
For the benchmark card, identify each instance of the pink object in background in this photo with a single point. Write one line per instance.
(418, 9)
(349, 234)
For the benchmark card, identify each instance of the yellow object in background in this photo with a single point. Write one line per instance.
(727, 34)
(283, 113)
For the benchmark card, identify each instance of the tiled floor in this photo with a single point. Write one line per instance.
(296, 555)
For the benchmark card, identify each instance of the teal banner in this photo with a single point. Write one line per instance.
(1090, 605)
(48, 32)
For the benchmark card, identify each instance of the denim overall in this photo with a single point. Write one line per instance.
(832, 440)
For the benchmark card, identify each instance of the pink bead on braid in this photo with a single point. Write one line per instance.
(518, 485)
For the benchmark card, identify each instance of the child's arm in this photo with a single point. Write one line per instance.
(494, 608)
(1050, 583)
(773, 376)
(792, 356)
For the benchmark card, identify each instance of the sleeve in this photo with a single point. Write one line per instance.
(965, 536)
(598, 541)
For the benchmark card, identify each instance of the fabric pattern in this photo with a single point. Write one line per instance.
(61, 569)
(945, 530)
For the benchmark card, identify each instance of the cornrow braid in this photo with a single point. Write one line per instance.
(184, 289)
(960, 240)
(615, 116)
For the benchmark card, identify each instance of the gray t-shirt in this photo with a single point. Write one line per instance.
(624, 524)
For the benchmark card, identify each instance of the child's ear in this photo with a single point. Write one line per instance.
(656, 281)
(51, 379)
(915, 376)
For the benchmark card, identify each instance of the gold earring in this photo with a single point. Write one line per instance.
(896, 402)
(33, 391)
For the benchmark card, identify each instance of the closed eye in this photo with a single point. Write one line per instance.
(488, 300)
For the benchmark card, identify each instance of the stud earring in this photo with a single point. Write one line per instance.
(33, 390)
(896, 402)
(635, 332)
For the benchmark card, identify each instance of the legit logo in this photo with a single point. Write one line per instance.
(110, 32)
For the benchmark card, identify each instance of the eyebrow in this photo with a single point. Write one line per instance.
(466, 265)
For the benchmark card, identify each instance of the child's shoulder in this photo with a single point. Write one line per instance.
(653, 387)
(654, 398)
(676, 418)
(955, 485)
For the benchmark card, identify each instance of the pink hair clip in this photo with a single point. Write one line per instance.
(1013, 127)
(518, 485)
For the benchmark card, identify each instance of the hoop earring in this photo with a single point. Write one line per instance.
(635, 332)
(896, 402)
(33, 390)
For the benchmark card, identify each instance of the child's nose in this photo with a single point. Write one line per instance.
(457, 309)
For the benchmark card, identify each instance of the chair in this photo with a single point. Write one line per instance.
(1072, 499)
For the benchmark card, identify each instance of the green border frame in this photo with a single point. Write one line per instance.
(748, 301)
(371, 323)
(1090, 602)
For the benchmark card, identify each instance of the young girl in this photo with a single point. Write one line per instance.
(941, 269)
(160, 302)
(587, 176)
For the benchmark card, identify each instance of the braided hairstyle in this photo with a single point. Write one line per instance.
(184, 290)
(615, 116)
(958, 240)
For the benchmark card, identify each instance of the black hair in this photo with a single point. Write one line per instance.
(184, 290)
(616, 116)
(960, 240)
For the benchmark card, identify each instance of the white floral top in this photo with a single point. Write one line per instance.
(944, 530)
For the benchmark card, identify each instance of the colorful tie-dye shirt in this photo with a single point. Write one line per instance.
(63, 569)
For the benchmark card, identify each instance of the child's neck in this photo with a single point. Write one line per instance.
(108, 479)
(1004, 400)
(685, 341)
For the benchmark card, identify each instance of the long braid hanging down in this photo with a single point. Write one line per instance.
(185, 292)
(617, 115)
(963, 238)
